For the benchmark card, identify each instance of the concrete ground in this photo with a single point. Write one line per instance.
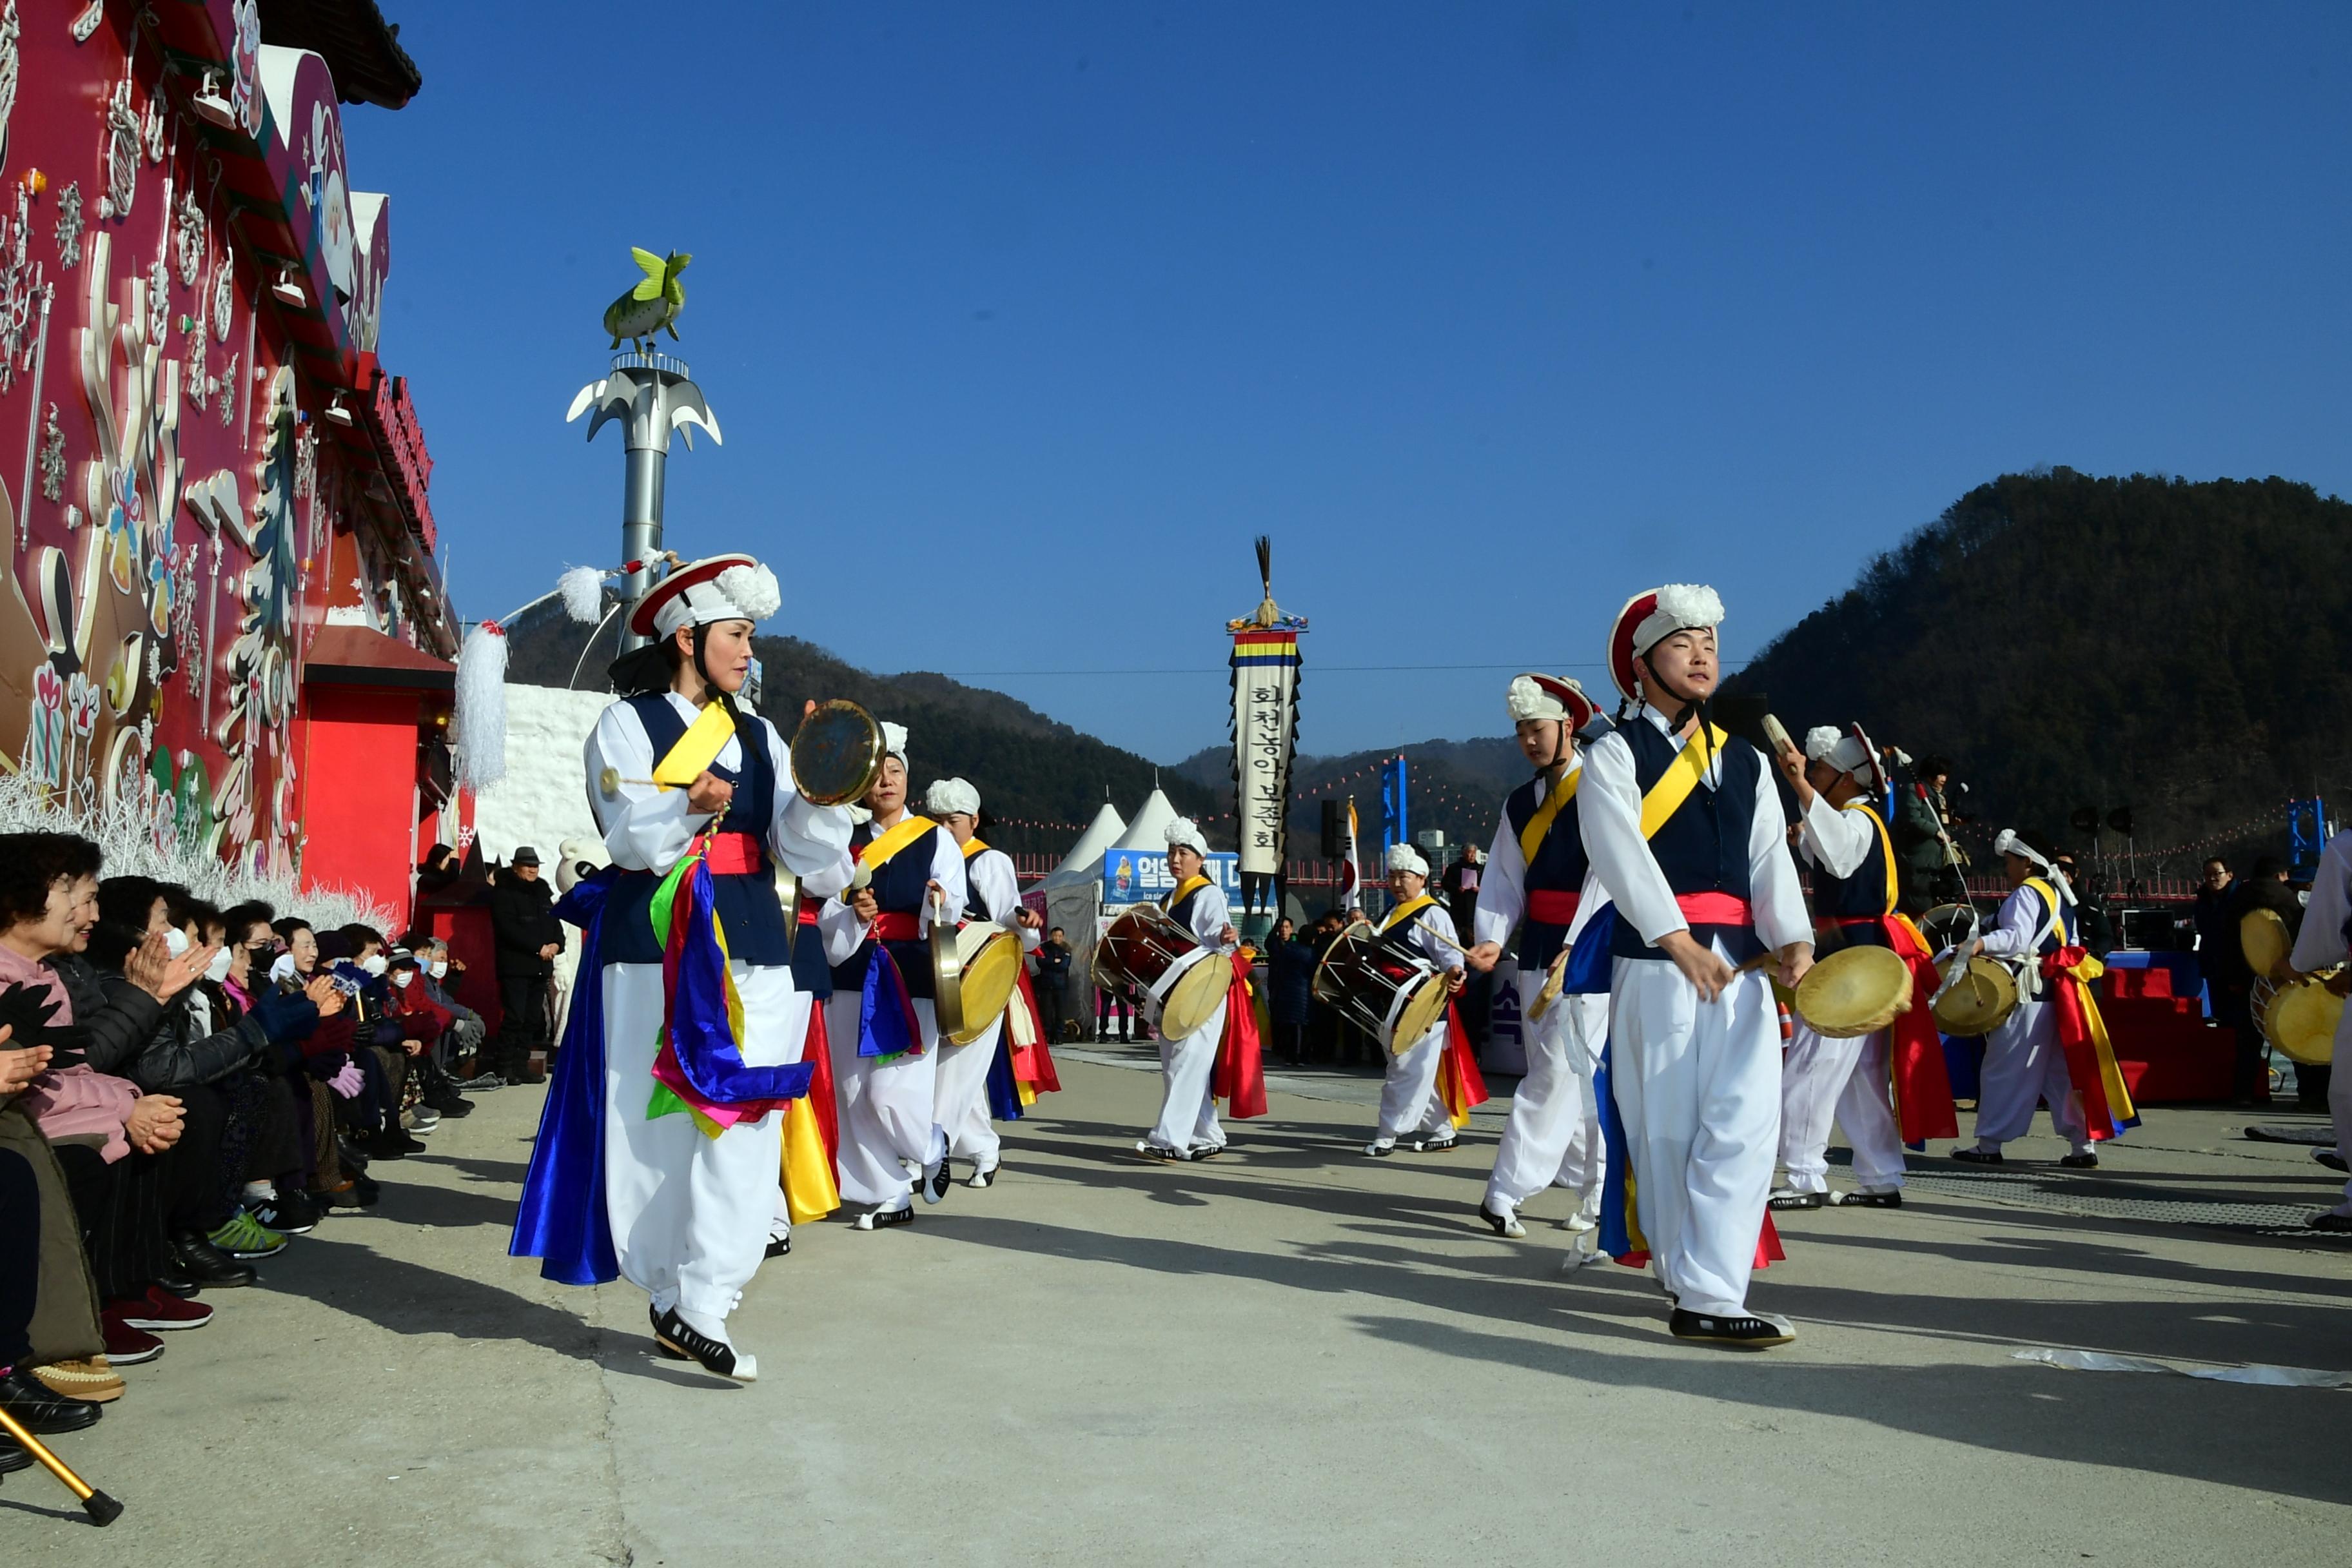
(1294, 1354)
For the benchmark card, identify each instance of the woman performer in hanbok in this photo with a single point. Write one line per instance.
(699, 1045)
(972, 1077)
(1424, 1089)
(884, 1033)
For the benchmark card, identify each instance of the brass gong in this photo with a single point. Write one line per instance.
(836, 754)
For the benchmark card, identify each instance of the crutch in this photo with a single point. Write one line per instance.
(102, 1509)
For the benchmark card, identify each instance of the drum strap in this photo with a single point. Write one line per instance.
(878, 853)
(1682, 776)
(1532, 836)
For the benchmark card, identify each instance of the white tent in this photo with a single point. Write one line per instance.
(1150, 828)
(1083, 862)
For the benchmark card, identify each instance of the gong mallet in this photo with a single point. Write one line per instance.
(102, 1509)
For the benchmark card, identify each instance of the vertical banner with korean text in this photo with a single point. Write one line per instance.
(1266, 735)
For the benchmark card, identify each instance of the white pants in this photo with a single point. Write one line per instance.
(2339, 1101)
(887, 1108)
(1409, 1099)
(1849, 1079)
(963, 1098)
(690, 1213)
(1188, 1111)
(1553, 1134)
(1698, 1088)
(2023, 1064)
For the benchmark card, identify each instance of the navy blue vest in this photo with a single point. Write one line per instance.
(1703, 847)
(747, 904)
(1180, 911)
(900, 887)
(810, 973)
(975, 907)
(1558, 867)
(2061, 929)
(1863, 895)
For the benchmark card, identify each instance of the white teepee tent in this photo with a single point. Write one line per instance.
(1083, 862)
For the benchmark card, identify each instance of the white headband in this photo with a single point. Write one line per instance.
(1405, 857)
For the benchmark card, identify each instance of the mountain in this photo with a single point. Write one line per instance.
(1042, 779)
(2183, 649)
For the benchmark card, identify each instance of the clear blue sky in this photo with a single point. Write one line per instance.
(1021, 320)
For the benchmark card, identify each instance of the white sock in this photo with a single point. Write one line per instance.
(258, 1192)
(707, 1327)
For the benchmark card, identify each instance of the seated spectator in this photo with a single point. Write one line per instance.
(325, 1057)
(467, 1032)
(424, 1024)
(44, 1290)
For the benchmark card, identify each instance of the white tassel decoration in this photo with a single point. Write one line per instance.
(479, 727)
(582, 588)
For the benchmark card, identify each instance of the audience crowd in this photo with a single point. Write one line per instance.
(184, 1088)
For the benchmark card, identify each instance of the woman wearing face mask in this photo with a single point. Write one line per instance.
(327, 1055)
(386, 1049)
(422, 1023)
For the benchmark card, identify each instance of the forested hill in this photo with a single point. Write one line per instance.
(1029, 768)
(2184, 649)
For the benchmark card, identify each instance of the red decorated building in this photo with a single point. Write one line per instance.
(226, 615)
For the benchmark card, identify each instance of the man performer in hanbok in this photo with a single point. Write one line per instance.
(881, 1024)
(2324, 942)
(2052, 1048)
(993, 895)
(1188, 1127)
(1856, 891)
(702, 1025)
(1538, 881)
(1684, 829)
(1433, 1081)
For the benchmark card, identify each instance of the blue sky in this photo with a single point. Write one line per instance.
(1021, 320)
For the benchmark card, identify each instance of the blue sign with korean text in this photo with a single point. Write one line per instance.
(1138, 876)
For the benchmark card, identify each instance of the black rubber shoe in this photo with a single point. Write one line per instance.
(674, 1333)
(1978, 1156)
(208, 1266)
(40, 1409)
(1891, 1199)
(1740, 1334)
(1790, 1198)
(2084, 1162)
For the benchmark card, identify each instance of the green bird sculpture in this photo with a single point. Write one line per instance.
(653, 304)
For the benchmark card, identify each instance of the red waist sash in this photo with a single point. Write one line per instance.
(734, 855)
(891, 925)
(808, 912)
(1552, 907)
(1714, 909)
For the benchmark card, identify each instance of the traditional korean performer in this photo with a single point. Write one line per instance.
(1538, 881)
(1433, 1082)
(2325, 942)
(699, 1044)
(1221, 1056)
(881, 1024)
(1684, 829)
(2052, 1047)
(808, 1188)
(1837, 779)
(968, 1073)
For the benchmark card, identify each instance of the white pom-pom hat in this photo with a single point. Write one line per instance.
(952, 797)
(1649, 620)
(1185, 831)
(715, 588)
(1405, 857)
(1848, 750)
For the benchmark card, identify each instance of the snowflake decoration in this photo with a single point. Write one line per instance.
(185, 634)
(227, 402)
(189, 237)
(198, 385)
(20, 292)
(69, 225)
(124, 136)
(159, 302)
(224, 293)
(53, 459)
(87, 23)
(305, 463)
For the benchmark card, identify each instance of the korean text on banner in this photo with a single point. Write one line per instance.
(1266, 734)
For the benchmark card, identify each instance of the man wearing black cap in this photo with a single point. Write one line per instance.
(522, 920)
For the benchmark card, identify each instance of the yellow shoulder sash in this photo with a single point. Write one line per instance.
(696, 749)
(1885, 849)
(1184, 891)
(1406, 910)
(1531, 836)
(1681, 777)
(973, 847)
(878, 853)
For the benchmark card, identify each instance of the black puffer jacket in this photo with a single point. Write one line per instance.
(522, 918)
(116, 1025)
(173, 1055)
